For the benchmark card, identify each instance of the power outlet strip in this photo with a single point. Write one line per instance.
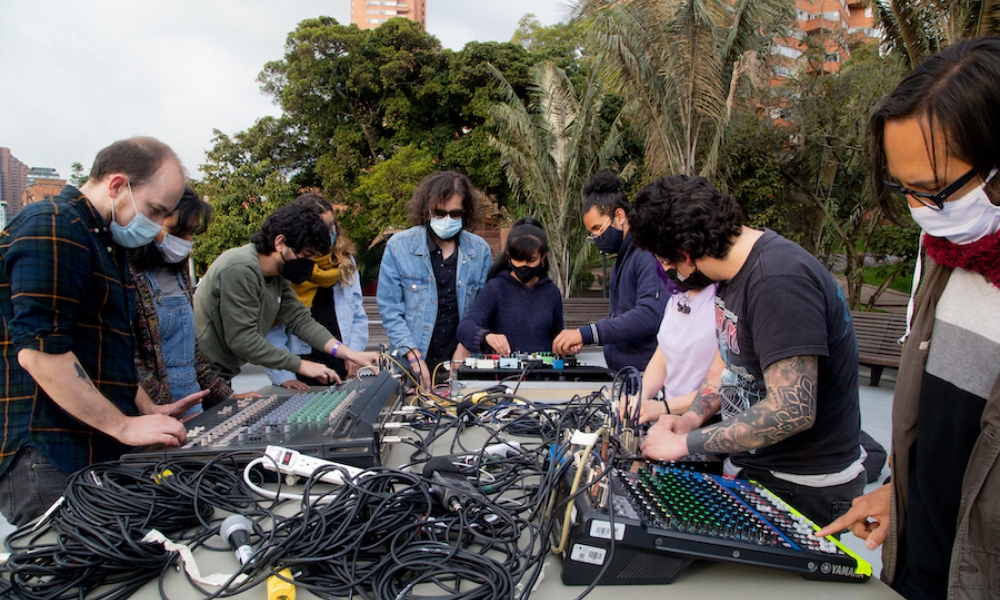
(293, 462)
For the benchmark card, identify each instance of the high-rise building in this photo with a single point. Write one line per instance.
(13, 180)
(368, 14)
(832, 25)
(36, 173)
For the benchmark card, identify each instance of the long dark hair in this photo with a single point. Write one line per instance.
(193, 217)
(525, 238)
(958, 91)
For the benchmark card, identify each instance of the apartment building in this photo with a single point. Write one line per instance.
(368, 14)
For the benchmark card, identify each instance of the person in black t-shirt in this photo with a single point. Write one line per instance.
(786, 380)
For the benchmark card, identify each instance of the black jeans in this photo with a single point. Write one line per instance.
(822, 505)
(29, 487)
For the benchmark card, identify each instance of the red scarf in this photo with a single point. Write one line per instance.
(981, 256)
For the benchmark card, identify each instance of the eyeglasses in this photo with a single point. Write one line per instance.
(937, 199)
(593, 236)
(454, 214)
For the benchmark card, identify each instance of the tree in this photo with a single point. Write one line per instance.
(77, 178)
(247, 177)
(803, 172)
(358, 95)
(915, 29)
(550, 149)
(679, 66)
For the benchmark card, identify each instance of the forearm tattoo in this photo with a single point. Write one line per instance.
(788, 408)
(84, 377)
(707, 401)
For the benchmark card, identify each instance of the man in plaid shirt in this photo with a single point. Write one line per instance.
(67, 377)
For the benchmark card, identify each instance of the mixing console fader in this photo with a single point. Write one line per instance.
(667, 515)
(342, 424)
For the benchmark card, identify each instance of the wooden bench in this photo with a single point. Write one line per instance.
(576, 313)
(878, 341)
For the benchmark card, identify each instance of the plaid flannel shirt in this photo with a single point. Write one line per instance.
(64, 287)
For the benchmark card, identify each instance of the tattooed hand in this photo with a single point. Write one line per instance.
(788, 408)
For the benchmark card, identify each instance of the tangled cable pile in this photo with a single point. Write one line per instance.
(386, 534)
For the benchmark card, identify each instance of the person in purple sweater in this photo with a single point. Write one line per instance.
(519, 309)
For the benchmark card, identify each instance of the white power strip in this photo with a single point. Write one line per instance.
(293, 462)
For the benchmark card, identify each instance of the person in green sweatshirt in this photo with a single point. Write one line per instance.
(246, 291)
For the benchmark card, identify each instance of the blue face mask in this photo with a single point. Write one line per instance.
(333, 237)
(138, 232)
(446, 228)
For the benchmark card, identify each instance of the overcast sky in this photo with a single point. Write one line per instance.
(76, 75)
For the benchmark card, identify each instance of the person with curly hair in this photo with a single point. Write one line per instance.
(786, 378)
(637, 298)
(432, 272)
(247, 289)
(519, 308)
(333, 295)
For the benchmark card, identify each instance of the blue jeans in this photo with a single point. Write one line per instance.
(177, 342)
(29, 487)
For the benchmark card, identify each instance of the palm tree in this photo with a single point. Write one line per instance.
(918, 28)
(679, 65)
(550, 148)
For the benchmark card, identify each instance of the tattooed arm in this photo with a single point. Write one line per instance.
(788, 408)
(69, 386)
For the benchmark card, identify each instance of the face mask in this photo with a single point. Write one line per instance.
(694, 281)
(446, 228)
(610, 241)
(298, 270)
(525, 273)
(333, 238)
(174, 249)
(961, 221)
(140, 231)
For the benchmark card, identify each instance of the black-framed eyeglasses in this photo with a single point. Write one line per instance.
(454, 214)
(937, 199)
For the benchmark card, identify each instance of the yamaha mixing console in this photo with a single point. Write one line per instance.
(341, 424)
(665, 516)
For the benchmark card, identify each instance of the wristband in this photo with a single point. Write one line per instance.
(336, 346)
(413, 361)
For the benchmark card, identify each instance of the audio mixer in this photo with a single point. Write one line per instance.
(536, 366)
(341, 423)
(665, 516)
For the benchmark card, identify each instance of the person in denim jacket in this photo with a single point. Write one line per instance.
(432, 272)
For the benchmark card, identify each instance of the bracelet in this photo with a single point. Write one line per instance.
(413, 361)
(336, 346)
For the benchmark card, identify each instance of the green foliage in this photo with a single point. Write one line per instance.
(77, 177)
(801, 169)
(247, 177)
(550, 148)
(681, 66)
(382, 193)
(915, 29)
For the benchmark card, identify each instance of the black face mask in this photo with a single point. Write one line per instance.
(298, 270)
(609, 242)
(694, 281)
(525, 273)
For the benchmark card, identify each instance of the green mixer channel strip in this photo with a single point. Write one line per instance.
(319, 408)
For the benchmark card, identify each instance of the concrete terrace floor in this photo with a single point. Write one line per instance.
(876, 409)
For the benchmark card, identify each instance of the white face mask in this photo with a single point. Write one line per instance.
(174, 249)
(961, 221)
